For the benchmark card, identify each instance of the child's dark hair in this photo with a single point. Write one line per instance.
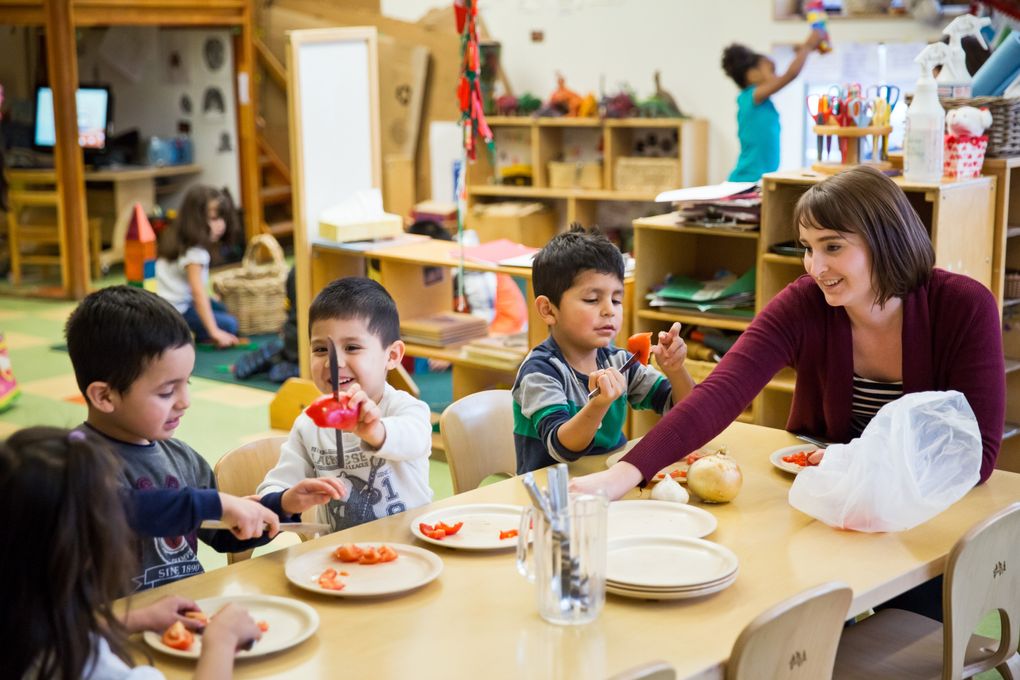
(75, 559)
(737, 60)
(355, 297)
(191, 227)
(114, 332)
(568, 254)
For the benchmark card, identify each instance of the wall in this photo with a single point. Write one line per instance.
(149, 95)
(625, 41)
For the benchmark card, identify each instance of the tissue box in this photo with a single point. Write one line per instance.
(964, 156)
(384, 225)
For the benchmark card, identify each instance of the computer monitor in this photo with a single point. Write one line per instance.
(93, 117)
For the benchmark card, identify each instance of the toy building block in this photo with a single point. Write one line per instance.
(140, 252)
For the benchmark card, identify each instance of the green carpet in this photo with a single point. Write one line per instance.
(215, 364)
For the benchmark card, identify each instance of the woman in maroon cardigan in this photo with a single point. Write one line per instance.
(871, 309)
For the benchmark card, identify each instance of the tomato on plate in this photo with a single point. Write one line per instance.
(263, 625)
(387, 554)
(641, 345)
(348, 552)
(509, 533)
(178, 637)
(450, 530)
(328, 580)
(369, 556)
(333, 413)
(434, 532)
(197, 616)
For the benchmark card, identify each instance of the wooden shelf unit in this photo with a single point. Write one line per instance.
(546, 143)
(1006, 257)
(662, 247)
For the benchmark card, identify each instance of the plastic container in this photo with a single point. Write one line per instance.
(954, 79)
(924, 142)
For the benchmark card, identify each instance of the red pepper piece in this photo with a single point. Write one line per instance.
(333, 413)
(641, 345)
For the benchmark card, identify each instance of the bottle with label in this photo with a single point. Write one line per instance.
(924, 142)
(954, 79)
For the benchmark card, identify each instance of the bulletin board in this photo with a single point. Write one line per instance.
(333, 102)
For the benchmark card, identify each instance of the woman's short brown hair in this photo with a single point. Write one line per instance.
(864, 201)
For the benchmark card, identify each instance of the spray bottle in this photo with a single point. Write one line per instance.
(954, 79)
(924, 142)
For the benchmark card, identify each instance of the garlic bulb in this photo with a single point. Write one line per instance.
(669, 490)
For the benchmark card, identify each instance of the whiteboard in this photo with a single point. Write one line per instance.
(334, 120)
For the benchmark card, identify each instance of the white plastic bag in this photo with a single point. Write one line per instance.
(917, 456)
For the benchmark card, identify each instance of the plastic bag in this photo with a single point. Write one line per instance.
(917, 456)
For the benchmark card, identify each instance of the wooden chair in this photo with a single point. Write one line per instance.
(982, 575)
(478, 435)
(239, 473)
(796, 638)
(653, 670)
(35, 234)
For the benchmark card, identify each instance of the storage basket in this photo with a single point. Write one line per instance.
(256, 293)
(578, 175)
(1012, 284)
(636, 173)
(1004, 135)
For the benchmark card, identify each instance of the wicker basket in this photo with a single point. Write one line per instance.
(1004, 135)
(578, 175)
(256, 293)
(637, 173)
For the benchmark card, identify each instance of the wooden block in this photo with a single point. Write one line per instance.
(293, 397)
(398, 185)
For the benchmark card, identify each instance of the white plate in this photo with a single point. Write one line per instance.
(482, 524)
(669, 595)
(663, 562)
(658, 518)
(776, 458)
(291, 622)
(413, 568)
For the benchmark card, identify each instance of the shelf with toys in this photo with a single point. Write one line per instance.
(663, 247)
(572, 165)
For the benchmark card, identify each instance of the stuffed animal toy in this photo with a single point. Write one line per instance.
(969, 121)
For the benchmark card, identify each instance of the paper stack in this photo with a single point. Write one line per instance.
(724, 294)
(730, 204)
(442, 329)
(510, 349)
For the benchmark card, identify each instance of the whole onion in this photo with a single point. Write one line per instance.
(715, 478)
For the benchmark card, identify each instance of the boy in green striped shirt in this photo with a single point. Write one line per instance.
(578, 282)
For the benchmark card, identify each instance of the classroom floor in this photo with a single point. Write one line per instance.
(222, 416)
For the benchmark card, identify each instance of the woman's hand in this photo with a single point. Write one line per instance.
(614, 482)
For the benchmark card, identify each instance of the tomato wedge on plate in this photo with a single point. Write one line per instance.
(178, 637)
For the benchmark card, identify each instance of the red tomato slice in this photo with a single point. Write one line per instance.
(348, 552)
(369, 556)
(263, 625)
(509, 533)
(641, 345)
(450, 530)
(178, 637)
(332, 413)
(197, 616)
(328, 580)
(387, 554)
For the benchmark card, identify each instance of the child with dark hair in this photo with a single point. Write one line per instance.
(578, 281)
(757, 118)
(383, 462)
(60, 622)
(182, 269)
(133, 355)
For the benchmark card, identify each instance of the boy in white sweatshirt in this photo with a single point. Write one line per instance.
(384, 464)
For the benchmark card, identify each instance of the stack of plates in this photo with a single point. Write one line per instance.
(668, 568)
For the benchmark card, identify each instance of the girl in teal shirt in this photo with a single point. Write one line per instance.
(757, 118)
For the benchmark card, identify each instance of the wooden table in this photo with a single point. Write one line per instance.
(479, 617)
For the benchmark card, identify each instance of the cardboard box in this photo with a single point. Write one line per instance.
(531, 224)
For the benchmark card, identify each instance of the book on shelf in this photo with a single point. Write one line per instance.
(442, 329)
(726, 293)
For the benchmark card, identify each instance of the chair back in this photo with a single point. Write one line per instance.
(239, 473)
(982, 575)
(653, 670)
(34, 219)
(796, 638)
(478, 436)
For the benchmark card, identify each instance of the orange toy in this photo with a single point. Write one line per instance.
(565, 99)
